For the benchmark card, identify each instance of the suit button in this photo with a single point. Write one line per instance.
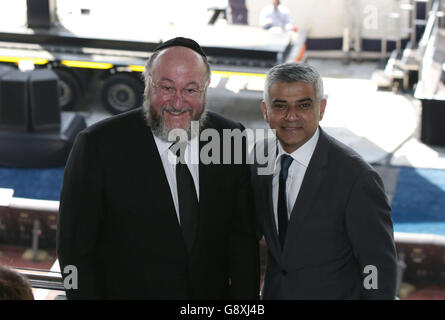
(283, 272)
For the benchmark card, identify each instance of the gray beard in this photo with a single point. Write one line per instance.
(157, 124)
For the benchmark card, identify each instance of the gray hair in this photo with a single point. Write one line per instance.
(151, 60)
(294, 72)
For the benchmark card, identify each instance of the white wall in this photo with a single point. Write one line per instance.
(328, 18)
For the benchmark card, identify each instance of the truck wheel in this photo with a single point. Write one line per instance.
(70, 92)
(122, 92)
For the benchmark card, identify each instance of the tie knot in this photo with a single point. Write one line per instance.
(286, 161)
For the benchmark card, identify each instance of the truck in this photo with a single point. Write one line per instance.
(83, 56)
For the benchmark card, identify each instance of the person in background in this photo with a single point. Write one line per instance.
(276, 15)
(237, 12)
(14, 286)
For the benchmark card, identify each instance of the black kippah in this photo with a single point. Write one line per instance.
(181, 42)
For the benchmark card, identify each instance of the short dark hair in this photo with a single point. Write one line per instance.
(294, 72)
(14, 286)
(181, 42)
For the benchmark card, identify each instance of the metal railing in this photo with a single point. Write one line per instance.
(41, 279)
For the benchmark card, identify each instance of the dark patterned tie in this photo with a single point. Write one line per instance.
(286, 161)
(188, 200)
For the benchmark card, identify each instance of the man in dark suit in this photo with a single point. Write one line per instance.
(321, 208)
(137, 225)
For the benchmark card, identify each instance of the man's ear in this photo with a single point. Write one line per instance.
(264, 109)
(322, 108)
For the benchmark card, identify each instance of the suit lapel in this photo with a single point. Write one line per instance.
(265, 181)
(154, 178)
(156, 173)
(208, 185)
(270, 217)
(312, 181)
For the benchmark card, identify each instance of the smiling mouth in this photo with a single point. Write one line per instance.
(175, 112)
(291, 128)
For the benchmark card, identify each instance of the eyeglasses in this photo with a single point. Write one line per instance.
(167, 89)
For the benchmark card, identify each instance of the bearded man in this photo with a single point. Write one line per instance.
(137, 225)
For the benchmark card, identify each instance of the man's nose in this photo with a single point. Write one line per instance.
(292, 113)
(178, 100)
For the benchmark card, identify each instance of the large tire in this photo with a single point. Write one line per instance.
(70, 93)
(121, 93)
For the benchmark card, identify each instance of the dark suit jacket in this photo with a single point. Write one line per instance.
(340, 223)
(118, 225)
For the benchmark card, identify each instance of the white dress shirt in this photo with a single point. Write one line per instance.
(168, 159)
(278, 18)
(301, 158)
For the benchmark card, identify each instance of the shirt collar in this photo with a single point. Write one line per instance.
(303, 154)
(161, 144)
